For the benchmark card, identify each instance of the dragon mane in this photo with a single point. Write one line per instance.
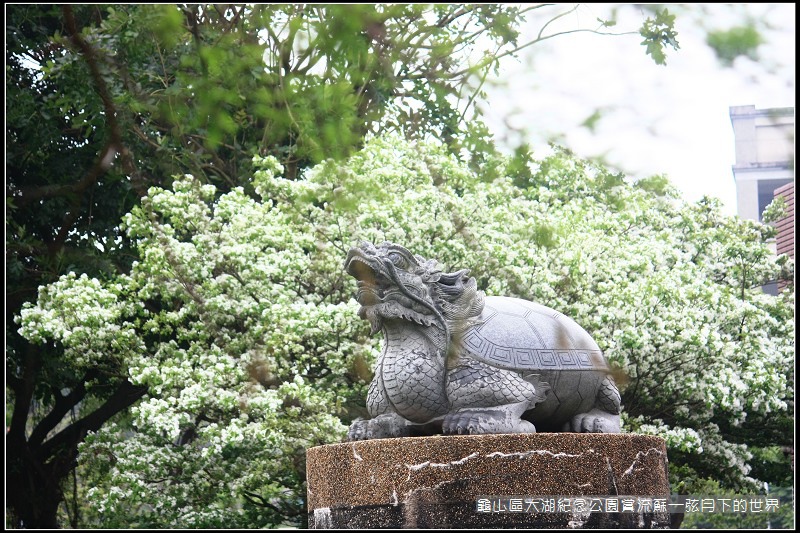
(455, 294)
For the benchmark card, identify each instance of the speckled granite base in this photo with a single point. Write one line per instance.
(435, 482)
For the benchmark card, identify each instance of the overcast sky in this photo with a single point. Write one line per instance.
(671, 119)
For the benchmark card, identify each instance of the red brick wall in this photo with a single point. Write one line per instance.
(785, 238)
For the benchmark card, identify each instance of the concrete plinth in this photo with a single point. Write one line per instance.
(436, 481)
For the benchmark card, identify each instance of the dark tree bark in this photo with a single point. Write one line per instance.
(36, 466)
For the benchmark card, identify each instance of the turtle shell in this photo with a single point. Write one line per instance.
(535, 340)
(519, 335)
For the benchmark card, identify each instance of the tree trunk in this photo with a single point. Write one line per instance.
(34, 493)
(37, 468)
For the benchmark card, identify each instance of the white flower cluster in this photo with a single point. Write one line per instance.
(86, 317)
(683, 439)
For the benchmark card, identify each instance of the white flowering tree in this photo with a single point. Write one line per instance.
(240, 321)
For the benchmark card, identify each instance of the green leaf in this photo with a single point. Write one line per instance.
(657, 33)
(735, 42)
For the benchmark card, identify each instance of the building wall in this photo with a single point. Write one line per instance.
(764, 142)
(784, 242)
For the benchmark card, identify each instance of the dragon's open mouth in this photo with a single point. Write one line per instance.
(360, 268)
(372, 283)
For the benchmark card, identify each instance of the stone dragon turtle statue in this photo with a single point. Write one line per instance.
(455, 361)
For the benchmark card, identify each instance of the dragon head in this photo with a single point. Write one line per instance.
(394, 284)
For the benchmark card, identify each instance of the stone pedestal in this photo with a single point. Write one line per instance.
(436, 482)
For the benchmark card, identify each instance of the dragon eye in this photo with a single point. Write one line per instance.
(397, 259)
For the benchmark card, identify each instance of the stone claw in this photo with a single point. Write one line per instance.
(595, 421)
(484, 421)
(381, 427)
(358, 430)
